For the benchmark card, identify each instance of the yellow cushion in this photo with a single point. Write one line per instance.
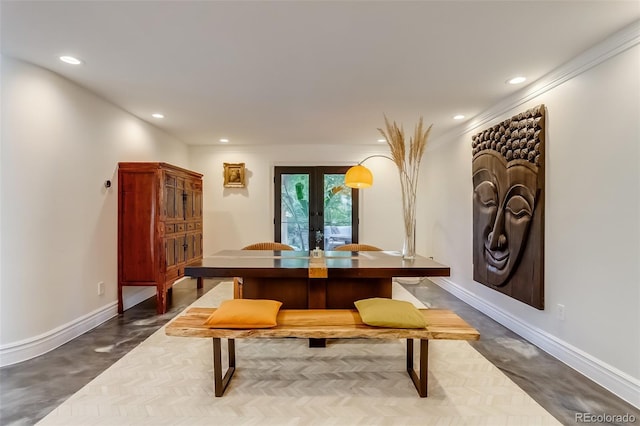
(382, 312)
(245, 313)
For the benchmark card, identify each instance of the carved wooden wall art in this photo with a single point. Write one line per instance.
(508, 206)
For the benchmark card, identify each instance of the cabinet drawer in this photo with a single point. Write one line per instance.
(191, 226)
(170, 228)
(180, 227)
(198, 225)
(172, 274)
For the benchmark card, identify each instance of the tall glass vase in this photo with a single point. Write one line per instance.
(409, 245)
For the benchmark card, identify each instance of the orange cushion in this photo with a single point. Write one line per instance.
(245, 313)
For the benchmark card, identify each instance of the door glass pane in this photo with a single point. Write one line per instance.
(337, 212)
(294, 207)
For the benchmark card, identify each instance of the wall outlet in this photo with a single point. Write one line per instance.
(560, 312)
(100, 288)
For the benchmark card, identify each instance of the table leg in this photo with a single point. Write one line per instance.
(317, 343)
(317, 299)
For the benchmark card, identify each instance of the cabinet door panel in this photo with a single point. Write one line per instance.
(170, 251)
(197, 204)
(190, 247)
(194, 249)
(181, 244)
(197, 244)
(180, 199)
(170, 196)
(188, 203)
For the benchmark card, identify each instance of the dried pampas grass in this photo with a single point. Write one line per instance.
(408, 163)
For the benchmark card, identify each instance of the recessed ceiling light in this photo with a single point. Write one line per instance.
(224, 140)
(157, 115)
(70, 60)
(458, 117)
(382, 140)
(516, 80)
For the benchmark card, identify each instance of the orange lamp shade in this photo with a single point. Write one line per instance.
(358, 177)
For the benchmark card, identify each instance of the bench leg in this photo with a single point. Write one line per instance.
(220, 383)
(420, 381)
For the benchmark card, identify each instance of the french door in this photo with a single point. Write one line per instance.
(314, 208)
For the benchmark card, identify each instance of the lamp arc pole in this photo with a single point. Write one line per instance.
(359, 177)
(375, 155)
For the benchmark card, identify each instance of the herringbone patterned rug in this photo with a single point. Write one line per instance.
(168, 381)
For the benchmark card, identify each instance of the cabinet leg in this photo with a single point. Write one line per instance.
(199, 282)
(161, 305)
(120, 304)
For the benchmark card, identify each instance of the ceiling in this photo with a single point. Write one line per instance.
(305, 72)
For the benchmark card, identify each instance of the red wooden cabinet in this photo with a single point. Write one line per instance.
(159, 226)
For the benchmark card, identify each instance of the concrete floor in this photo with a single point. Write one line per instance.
(31, 389)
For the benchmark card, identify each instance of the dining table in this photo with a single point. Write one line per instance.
(314, 279)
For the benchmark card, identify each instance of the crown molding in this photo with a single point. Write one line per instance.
(619, 42)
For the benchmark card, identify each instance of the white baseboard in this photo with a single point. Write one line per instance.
(26, 349)
(621, 384)
(23, 350)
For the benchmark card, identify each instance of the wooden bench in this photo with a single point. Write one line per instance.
(324, 323)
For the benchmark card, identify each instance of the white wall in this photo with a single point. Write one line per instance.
(58, 222)
(592, 231)
(235, 217)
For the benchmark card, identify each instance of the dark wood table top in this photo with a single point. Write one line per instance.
(340, 264)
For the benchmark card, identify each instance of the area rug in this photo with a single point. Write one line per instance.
(168, 381)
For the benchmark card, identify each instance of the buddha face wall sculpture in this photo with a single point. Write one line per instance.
(508, 207)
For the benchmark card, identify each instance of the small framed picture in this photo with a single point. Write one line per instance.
(234, 175)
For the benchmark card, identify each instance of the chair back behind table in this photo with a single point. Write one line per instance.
(265, 245)
(357, 247)
(268, 245)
